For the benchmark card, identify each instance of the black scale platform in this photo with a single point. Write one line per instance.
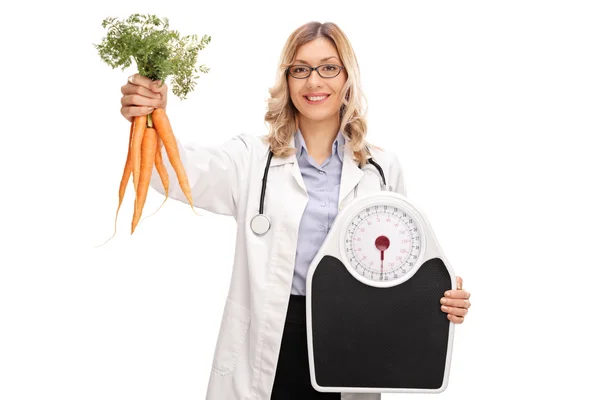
(372, 337)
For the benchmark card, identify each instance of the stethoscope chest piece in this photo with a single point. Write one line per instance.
(260, 224)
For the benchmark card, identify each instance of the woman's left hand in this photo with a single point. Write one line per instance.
(456, 302)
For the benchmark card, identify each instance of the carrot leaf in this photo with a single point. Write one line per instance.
(158, 51)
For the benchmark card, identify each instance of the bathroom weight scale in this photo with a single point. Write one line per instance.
(373, 291)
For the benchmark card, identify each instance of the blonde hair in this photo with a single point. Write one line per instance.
(281, 112)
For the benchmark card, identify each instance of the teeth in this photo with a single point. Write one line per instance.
(316, 98)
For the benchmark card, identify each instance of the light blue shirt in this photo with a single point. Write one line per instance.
(323, 185)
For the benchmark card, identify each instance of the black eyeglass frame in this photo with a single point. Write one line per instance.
(287, 70)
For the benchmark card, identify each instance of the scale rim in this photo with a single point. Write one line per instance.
(430, 241)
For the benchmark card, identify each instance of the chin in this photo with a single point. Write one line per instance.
(317, 117)
(321, 115)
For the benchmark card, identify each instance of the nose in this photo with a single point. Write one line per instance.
(314, 79)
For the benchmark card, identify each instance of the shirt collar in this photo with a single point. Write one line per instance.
(337, 147)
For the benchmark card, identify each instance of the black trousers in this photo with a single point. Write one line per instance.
(292, 378)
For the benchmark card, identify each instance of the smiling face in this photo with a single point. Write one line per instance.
(325, 92)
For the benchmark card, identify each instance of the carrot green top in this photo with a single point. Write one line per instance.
(157, 51)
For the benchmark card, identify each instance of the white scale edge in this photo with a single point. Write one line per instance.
(430, 248)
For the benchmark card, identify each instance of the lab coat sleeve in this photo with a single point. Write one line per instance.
(214, 174)
(396, 175)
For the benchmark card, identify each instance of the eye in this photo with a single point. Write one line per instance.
(299, 69)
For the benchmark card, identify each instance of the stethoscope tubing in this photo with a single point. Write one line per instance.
(260, 223)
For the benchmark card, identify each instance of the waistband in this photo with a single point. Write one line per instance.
(296, 312)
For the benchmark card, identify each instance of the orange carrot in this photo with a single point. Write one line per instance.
(139, 126)
(165, 132)
(124, 180)
(162, 172)
(148, 152)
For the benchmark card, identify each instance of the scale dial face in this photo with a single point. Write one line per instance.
(382, 243)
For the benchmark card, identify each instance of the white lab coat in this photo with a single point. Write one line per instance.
(227, 180)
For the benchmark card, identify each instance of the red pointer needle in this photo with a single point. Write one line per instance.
(382, 243)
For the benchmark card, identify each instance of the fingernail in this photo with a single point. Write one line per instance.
(443, 301)
(447, 293)
(444, 308)
(130, 79)
(150, 109)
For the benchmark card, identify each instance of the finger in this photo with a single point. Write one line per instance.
(130, 88)
(140, 80)
(461, 312)
(459, 283)
(463, 303)
(137, 100)
(131, 112)
(457, 294)
(456, 319)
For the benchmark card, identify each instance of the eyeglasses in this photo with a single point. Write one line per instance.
(325, 71)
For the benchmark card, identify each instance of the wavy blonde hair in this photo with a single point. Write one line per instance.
(281, 112)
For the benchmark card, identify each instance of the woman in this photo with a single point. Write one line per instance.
(317, 136)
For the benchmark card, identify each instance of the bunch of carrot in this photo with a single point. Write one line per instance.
(147, 135)
(159, 52)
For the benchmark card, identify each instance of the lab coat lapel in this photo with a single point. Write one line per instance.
(295, 168)
(351, 173)
(298, 175)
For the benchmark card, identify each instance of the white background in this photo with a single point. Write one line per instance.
(493, 108)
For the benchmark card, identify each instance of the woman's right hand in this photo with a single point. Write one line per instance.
(141, 96)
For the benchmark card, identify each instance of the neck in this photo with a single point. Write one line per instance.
(319, 135)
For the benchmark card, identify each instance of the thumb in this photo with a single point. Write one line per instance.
(156, 86)
(459, 283)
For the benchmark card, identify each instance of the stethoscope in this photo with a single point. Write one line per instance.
(260, 223)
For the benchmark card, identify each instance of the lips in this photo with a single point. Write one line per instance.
(321, 96)
(316, 95)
